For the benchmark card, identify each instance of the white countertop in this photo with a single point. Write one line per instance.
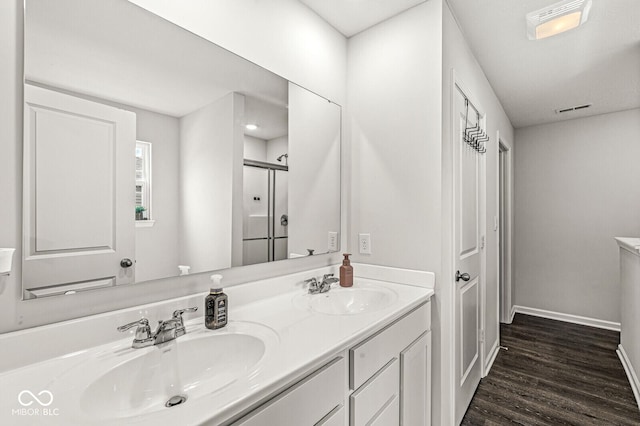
(630, 244)
(305, 340)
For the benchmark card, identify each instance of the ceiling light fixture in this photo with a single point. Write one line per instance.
(251, 126)
(557, 18)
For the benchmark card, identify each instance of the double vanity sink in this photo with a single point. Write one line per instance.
(204, 375)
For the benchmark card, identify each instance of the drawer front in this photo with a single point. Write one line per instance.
(370, 355)
(376, 394)
(334, 418)
(308, 401)
(389, 416)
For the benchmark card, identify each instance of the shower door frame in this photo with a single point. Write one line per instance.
(271, 168)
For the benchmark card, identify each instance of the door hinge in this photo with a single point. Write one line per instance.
(481, 333)
(482, 242)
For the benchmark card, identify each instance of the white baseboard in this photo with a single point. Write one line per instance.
(513, 314)
(575, 319)
(492, 357)
(631, 374)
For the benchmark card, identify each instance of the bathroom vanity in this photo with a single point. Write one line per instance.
(350, 356)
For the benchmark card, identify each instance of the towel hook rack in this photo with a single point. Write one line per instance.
(474, 136)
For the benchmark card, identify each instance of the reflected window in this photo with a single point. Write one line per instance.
(143, 180)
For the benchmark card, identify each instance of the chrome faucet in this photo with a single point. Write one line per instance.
(167, 330)
(323, 286)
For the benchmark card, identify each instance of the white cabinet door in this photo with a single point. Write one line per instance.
(79, 190)
(415, 382)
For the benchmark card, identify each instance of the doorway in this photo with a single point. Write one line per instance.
(504, 231)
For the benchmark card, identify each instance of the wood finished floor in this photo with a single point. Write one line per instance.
(554, 373)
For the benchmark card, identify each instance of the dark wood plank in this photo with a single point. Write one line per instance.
(554, 373)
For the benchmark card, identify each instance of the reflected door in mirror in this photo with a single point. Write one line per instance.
(78, 191)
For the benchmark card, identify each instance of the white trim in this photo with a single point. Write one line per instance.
(495, 350)
(631, 374)
(575, 319)
(513, 314)
(505, 299)
(145, 223)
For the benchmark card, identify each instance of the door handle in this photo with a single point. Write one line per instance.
(463, 277)
(126, 263)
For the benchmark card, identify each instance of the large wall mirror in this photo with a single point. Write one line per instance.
(150, 152)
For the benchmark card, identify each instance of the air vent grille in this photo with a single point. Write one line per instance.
(574, 108)
(556, 10)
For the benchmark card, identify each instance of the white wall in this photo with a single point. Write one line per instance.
(206, 184)
(394, 123)
(285, 37)
(157, 246)
(394, 89)
(314, 171)
(275, 44)
(275, 148)
(255, 149)
(577, 188)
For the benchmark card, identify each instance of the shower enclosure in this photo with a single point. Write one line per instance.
(265, 216)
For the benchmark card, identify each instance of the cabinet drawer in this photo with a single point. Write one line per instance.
(389, 415)
(334, 418)
(308, 401)
(370, 399)
(370, 355)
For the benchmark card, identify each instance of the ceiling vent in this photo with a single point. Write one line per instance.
(574, 108)
(557, 18)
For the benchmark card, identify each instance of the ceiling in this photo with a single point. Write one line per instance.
(352, 16)
(598, 63)
(166, 70)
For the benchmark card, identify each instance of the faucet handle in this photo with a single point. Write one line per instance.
(142, 333)
(325, 276)
(141, 322)
(179, 312)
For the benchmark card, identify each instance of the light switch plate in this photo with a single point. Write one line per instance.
(333, 241)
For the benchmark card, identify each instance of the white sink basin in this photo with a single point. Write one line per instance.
(347, 301)
(140, 381)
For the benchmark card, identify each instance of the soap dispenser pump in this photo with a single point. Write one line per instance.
(215, 305)
(346, 272)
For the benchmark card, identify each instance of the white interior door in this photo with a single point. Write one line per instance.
(79, 191)
(467, 258)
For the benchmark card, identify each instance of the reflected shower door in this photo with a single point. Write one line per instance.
(265, 214)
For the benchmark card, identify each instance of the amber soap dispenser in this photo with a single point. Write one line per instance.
(346, 271)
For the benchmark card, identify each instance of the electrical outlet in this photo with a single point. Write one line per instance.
(333, 241)
(364, 243)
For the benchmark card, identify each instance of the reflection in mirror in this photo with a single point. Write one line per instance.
(150, 152)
